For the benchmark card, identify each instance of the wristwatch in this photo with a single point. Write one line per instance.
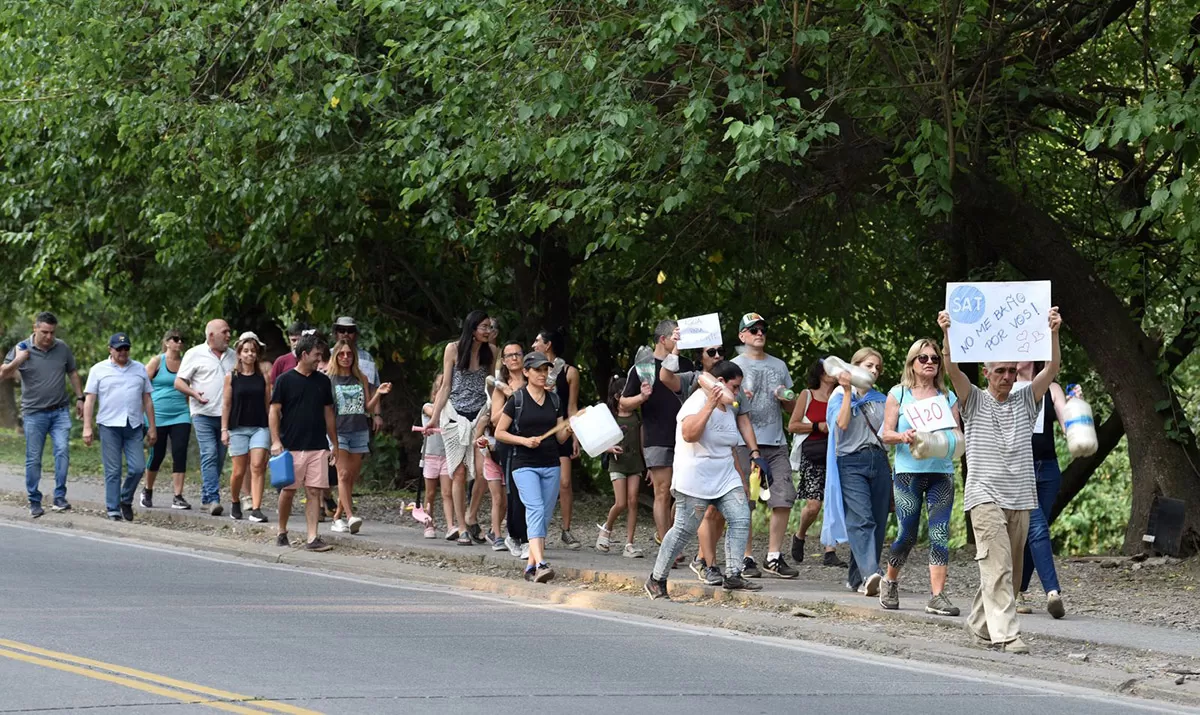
(81, 398)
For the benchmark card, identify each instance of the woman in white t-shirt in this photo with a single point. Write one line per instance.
(705, 474)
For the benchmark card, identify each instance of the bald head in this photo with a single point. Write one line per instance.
(216, 334)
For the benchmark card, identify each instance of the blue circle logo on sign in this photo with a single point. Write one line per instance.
(966, 304)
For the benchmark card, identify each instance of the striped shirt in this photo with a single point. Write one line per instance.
(999, 451)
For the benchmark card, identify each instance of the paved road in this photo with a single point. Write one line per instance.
(88, 623)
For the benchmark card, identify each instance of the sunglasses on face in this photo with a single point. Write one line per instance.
(714, 352)
(757, 330)
(345, 331)
(925, 359)
(175, 339)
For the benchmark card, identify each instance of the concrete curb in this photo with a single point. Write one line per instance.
(722, 609)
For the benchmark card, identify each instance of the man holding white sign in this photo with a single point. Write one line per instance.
(1001, 486)
(998, 321)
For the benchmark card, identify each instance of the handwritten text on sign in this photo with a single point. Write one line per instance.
(701, 331)
(998, 321)
(930, 414)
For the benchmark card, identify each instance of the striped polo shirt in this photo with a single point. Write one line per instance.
(999, 451)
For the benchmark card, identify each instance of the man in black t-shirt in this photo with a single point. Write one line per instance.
(659, 407)
(302, 418)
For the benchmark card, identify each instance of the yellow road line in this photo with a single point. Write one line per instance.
(19, 651)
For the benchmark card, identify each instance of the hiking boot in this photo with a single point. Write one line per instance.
(698, 567)
(780, 568)
(797, 549)
(569, 541)
(317, 545)
(235, 511)
(736, 582)
(60, 504)
(1016, 645)
(147, 499)
(543, 573)
(712, 576)
(180, 503)
(889, 595)
(940, 605)
(831, 559)
(871, 585)
(750, 568)
(127, 512)
(656, 589)
(603, 540)
(1054, 605)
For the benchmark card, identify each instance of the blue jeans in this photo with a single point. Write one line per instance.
(38, 424)
(539, 492)
(212, 456)
(867, 494)
(1039, 552)
(115, 442)
(689, 512)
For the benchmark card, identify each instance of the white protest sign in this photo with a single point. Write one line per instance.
(1002, 322)
(930, 414)
(700, 331)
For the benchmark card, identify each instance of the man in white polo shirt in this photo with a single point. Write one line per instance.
(123, 389)
(201, 378)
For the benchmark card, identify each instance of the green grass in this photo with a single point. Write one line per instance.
(85, 461)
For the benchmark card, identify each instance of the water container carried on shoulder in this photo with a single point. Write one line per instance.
(283, 471)
(859, 377)
(941, 444)
(596, 430)
(708, 381)
(1080, 424)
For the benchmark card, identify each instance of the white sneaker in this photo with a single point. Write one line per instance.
(525, 552)
(513, 547)
(632, 552)
(603, 541)
(871, 585)
(340, 526)
(430, 532)
(355, 523)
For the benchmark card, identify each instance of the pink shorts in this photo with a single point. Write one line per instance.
(311, 468)
(491, 470)
(435, 466)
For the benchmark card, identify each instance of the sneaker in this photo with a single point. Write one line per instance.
(889, 595)
(317, 545)
(656, 589)
(464, 539)
(430, 532)
(712, 576)
(282, 540)
(1023, 608)
(750, 568)
(524, 551)
(36, 510)
(257, 516)
(180, 503)
(797, 549)
(513, 547)
(632, 552)
(247, 502)
(451, 534)
(940, 605)
(498, 544)
(215, 508)
(147, 499)
(698, 567)
(603, 540)
(60, 504)
(127, 512)
(569, 541)
(543, 573)
(736, 582)
(355, 523)
(780, 568)
(831, 559)
(114, 515)
(530, 572)
(1016, 645)
(235, 511)
(1054, 606)
(871, 585)
(340, 527)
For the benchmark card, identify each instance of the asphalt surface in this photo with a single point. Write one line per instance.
(111, 626)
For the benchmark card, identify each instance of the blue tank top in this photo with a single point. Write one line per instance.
(170, 406)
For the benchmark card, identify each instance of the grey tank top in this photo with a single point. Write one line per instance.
(467, 392)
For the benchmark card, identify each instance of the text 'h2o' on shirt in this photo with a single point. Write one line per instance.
(705, 469)
(119, 391)
(764, 377)
(302, 402)
(205, 372)
(999, 453)
(536, 420)
(43, 375)
(658, 412)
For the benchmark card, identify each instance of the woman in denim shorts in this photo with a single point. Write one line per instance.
(354, 401)
(244, 426)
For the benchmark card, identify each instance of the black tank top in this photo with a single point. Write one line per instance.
(1043, 444)
(249, 407)
(561, 386)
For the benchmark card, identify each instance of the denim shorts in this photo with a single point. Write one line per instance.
(354, 442)
(244, 439)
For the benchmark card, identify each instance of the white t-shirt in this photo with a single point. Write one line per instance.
(205, 372)
(704, 469)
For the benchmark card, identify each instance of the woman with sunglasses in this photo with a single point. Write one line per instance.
(173, 420)
(808, 423)
(928, 480)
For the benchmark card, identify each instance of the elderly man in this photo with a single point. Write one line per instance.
(43, 363)
(1001, 487)
(123, 389)
(201, 379)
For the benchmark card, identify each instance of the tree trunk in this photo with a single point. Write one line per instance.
(1121, 352)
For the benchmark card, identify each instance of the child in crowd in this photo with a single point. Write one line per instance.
(434, 467)
(625, 468)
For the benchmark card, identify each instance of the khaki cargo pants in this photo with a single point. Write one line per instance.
(999, 550)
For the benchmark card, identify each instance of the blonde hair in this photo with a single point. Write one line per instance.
(864, 353)
(336, 369)
(909, 378)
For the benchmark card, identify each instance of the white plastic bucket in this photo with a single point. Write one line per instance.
(596, 429)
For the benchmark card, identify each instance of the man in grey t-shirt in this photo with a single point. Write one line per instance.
(44, 363)
(1000, 489)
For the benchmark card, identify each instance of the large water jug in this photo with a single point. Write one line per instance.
(1080, 424)
(596, 429)
(283, 471)
(860, 377)
(708, 381)
(942, 444)
(644, 365)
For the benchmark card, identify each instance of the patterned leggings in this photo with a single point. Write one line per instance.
(937, 490)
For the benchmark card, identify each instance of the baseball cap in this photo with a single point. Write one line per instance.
(248, 335)
(120, 340)
(535, 360)
(345, 322)
(750, 319)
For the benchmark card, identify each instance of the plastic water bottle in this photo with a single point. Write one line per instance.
(671, 362)
(644, 364)
(708, 381)
(1080, 424)
(22, 345)
(784, 394)
(942, 444)
(860, 377)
